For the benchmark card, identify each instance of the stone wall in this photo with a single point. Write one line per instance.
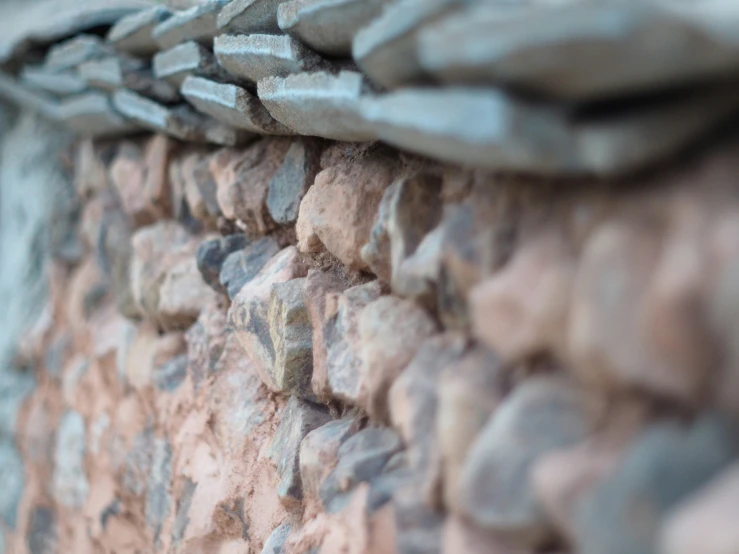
(364, 291)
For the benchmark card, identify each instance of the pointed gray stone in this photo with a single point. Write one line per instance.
(133, 34)
(60, 83)
(319, 104)
(327, 26)
(249, 16)
(91, 114)
(256, 57)
(197, 23)
(231, 104)
(71, 53)
(186, 59)
(295, 176)
(180, 122)
(34, 100)
(386, 50)
(487, 128)
(276, 542)
(114, 72)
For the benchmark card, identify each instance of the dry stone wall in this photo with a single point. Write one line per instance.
(387, 277)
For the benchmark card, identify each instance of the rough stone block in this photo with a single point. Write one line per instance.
(70, 483)
(91, 114)
(60, 83)
(197, 23)
(133, 34)
(42, 531)
(249, 16)
(295, 176)
(231, 104)
(199, 188)
(256, 57)
(319, 104)
(243, 265)
(112, 73)
(298, 419)
(327, 26)
(70, 53)
(212, 253)
(277, 539)
(189, 58)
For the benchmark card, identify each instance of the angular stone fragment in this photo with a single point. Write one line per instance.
(249, 16)
(242, 265)
(212, 253)
(197, 23)
(319, 104)
(338, 211)
(292, 180)
(71, 53)
(660, 470)
(60, 83)
(199, 188)
(249, 311)
(231, 104)
(91, 114)
(133, 34)
(540, 415)
(298, 419)
(27, 97)
(171, 374)
(256, 57)
(327, 26)
(491, 130)
(42, 532)
(70, 484)
(276, 541)
(418, 276)
(114, 72)
(189, 58)
(158, 498)
(386, 48)
(391, 330)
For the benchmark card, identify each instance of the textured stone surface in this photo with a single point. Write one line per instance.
(133, 34)
(91, 114)
(74, 51)
(212, 253)
(12, 479)
(61, 83)
(298, 419)
(189, 58)
(42, 533)
(197, 23)
(114, 72)
(249, 16)
(243, 265)
(319, 104)
(70, 483)
(231, 104)
(327, 26)
(290, 183)
(158, 499)
(199, 189)
(256, 57)
(276, 541)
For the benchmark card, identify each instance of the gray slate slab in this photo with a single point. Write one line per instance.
(487, 128)
(197, 23)
(327, 26)
(59, 83)
(133, 34)
(37, 101)
(115, 72)
(186, 59)
(92, 114)
(386, 49)
(256, 57)
(584, 50)
(232, 105)
(70, 53)
(249, 16)
(181, 122)
(319, 104)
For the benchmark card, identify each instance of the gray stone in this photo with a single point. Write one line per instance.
(70, 484)
(60, 83)
(327, 26)
(487, 128)
(137, 464)
(197, 23)
(189, 58)
(34, 100)
(70, 53)
(256, 57)
(91, 114)
(133, 34)
(171, 374)
(212, 253)
(564, 49)
(12, 481)
(298, 419)
(249, 16)
(496, 493)
(184, 500)
(242, 266)
(158, 499)
(292, 180)
(180, 122)
(231, 104)
(115, 72)
(42, 536)
(276, 542)
(319, 104)
(15, 386)
(661, 469)
(386, 49)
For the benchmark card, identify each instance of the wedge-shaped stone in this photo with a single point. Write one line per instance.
(386, 49)
(583, 50)
(319, 104)
(60, 83)
(249, 16)
(92, 114)
(180, 122)
(187, 59)
(34, 100)
(133, 34)
(113, 73)
(231, 104)
(487, 128)
(256, 57)
(70, 53)
(327, 26)
(198, 24)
